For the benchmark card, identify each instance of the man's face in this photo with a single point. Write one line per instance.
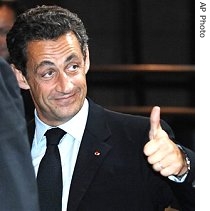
(7, 18)
(56, 74)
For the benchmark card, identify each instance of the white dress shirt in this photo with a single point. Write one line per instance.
(68, 146)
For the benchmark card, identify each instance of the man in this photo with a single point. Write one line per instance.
(9, 10)
(115, 161)
(18, 191)
(7, 18)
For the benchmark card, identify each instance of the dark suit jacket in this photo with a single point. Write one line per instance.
(18, 191)
(112, 173)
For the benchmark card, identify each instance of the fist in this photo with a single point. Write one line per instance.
(162, 153)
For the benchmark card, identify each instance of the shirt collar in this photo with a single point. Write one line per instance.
(74, 126)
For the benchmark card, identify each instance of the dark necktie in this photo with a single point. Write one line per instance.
(49, 177)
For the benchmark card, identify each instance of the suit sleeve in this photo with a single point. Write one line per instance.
(184, 192)
(18, 189)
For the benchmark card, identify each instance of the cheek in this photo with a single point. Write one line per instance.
(83, 84)
(80, 81)
(38, 91)
(34, 86)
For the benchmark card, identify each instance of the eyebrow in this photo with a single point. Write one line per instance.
(43, 63)
(46, 62)
(69, 58)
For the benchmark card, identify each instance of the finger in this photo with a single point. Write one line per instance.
(157, 150)
(150, 148)
(154, 122)
(164, 170)
(158, 166)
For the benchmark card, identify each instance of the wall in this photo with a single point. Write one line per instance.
(136, 31)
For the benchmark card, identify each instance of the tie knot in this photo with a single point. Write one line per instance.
(54, 136)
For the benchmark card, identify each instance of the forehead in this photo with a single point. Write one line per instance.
(53, 49)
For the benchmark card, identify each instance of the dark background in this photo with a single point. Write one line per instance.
(135, 31)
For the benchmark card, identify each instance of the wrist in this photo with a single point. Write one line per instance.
(186, 168)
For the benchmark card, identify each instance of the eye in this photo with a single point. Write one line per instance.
(48, 74)
(72, 68)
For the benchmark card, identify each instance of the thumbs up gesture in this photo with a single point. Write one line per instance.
(162, 153)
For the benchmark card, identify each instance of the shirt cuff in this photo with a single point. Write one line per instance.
(178, 179)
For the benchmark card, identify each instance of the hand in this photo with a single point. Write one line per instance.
(163, 154)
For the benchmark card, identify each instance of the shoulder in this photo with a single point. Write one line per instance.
(114, 116)
(125, 121)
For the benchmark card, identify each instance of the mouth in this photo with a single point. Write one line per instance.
(65, 100)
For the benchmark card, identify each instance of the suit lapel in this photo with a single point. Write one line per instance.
(93, 150)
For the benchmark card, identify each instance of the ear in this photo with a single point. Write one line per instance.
(87, 61)
(22, 82)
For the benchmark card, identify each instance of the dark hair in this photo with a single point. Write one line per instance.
(42, 23)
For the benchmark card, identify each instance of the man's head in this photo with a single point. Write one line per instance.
(49, 54)
(42, 23)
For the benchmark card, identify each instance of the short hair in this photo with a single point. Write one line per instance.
(42, 23)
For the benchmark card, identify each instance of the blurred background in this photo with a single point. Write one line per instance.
(135, 31)
(142, 54)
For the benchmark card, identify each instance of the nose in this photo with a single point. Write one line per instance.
(64, 83)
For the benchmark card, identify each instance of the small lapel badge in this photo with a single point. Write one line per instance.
(97, 153)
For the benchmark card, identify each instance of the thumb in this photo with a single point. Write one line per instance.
(154, 122)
